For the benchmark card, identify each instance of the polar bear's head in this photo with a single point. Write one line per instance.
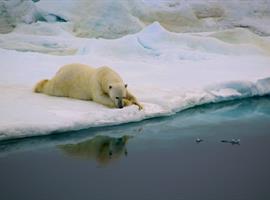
(118, 93)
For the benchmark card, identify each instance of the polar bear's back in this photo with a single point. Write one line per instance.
(74, 70)
(71, 80)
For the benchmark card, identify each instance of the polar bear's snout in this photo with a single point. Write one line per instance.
(117, 93)
(120, 102)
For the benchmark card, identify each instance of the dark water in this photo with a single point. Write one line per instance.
(153, 159)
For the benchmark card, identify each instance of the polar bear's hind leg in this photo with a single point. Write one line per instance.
(40, 86)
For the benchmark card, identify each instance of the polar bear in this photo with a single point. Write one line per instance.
(101, 85)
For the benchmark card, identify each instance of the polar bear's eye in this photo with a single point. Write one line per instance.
(117, 97)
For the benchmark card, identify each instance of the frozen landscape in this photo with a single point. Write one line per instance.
(173, 55)
(201, 68)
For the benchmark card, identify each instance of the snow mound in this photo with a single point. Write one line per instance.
(153, 42)
(13, 13)
(113, 19)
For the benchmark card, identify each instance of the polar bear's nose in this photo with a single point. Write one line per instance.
(120, 105)
(119, 102)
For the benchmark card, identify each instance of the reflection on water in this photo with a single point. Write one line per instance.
(103, 149)
(82, 142)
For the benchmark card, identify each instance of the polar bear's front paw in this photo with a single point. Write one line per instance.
(140, 106)
(130, 102)
(111, 105)
(127, 102)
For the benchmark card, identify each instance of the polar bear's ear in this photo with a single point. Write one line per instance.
(126, 85)
(110, 87)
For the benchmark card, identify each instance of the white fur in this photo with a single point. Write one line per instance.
(102, 85)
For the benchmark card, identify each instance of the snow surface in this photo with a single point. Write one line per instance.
(168, 72)
(114, 19)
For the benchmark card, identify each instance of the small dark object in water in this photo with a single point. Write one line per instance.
(198, 140)
(233, 141)
(225, 141)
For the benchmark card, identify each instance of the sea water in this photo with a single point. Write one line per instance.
(154, 159)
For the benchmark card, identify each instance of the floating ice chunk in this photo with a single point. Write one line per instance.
(263, 86)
